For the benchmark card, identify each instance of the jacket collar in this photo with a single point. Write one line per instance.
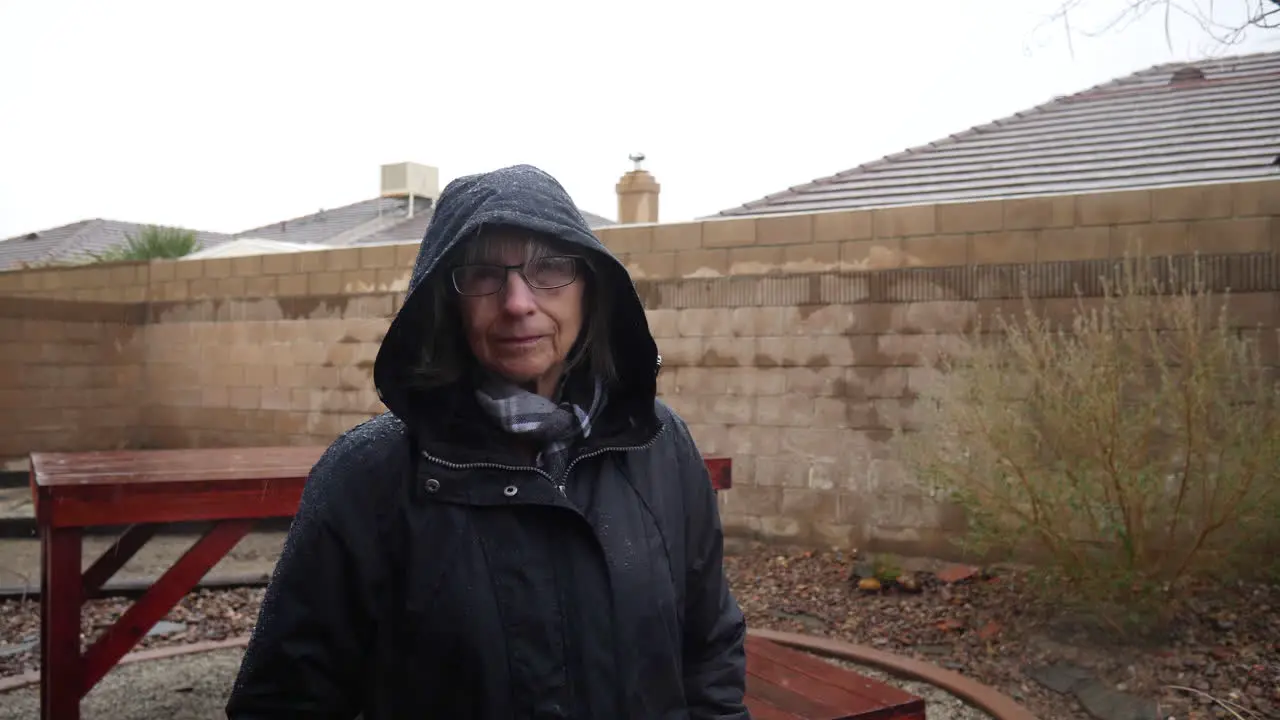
(449, 424)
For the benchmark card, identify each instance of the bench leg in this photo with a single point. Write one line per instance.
(168, 589)
(61, 667)
(115, 557)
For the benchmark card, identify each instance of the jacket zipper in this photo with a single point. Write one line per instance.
(560, 486)
(603, 450)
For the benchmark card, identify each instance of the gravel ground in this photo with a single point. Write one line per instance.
(938, 704)
(1226, 642)
(202, 615)
(192, 687)
(196, 686)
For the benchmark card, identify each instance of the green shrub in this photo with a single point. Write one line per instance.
(1130, 450)
(153, 242)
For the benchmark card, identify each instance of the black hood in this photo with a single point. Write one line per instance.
(523, 197)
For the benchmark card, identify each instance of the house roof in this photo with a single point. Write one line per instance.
(1173, 124)
(368, 222)
(77, 241)
(242, 247)
(380, 220)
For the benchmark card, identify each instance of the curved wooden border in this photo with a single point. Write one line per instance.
(26, 679)
(985, 698)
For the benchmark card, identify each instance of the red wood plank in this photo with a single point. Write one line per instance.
(61, 668)
(788, 699)
(721, 471)
(816, 678)
(143, 467)
(814, 666)
(114, 558)
(837, 701)
(159, 486)
(762, 709)
(140, 467)
(159, 600)
(178, 502)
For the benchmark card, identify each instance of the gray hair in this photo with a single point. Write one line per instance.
(446, 357)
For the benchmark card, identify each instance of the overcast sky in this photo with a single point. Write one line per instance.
(228, 115)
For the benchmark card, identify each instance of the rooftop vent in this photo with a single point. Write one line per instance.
(1186, 75)
(410, 180)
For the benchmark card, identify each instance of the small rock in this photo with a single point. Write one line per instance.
(953, 574)
(1059, 677)
(1105, 703)
(164, 627)
(869, 584)
(950, 625)
(908, 583)
(16, 649)
(861, 569)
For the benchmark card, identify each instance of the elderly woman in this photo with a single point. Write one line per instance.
(529, 532)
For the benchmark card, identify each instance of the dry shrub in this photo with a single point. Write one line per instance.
(1131, 449)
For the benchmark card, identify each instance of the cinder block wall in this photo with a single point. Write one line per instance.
(1224, 218)
(70, 374)
(791, 343)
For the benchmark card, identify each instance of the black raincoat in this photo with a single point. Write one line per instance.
(431, 574)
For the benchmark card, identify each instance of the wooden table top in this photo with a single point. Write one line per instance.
(141, 467)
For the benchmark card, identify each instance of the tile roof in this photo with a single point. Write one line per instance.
(380, 220)
(74, 242)
(1174, 124)
(368, 222)
(337, 226)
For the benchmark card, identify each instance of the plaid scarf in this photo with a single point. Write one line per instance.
(552, 426)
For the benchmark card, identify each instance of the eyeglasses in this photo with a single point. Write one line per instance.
(544, 273)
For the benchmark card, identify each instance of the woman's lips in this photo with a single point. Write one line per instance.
(519, 342)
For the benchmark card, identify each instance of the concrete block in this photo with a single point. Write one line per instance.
(785, 230)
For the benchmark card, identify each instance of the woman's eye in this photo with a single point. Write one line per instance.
(553, 269)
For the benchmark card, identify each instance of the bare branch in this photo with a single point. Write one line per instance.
(1208, 16)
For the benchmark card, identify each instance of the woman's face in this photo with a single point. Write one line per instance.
(520, 332)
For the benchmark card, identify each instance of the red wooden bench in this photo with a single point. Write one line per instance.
(787, 684)
(143, 490)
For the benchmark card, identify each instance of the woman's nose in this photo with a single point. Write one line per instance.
(517, 296)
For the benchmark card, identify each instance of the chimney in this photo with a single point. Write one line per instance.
(637, 195)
